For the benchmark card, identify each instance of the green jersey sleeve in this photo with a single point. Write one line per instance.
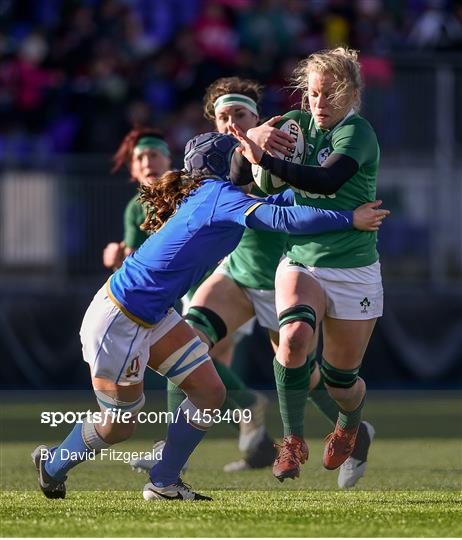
(134, 216)
(356, 140)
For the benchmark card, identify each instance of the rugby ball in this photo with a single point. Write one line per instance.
(269, 183)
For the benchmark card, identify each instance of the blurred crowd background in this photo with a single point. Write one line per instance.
(76, 75)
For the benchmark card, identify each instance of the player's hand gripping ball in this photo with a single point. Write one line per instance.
(269, 183)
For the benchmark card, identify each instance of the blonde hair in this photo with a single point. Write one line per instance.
(342, 63)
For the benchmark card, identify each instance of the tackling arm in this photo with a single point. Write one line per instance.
(298, 219)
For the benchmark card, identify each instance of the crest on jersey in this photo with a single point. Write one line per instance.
(134, 368)
(323, 154)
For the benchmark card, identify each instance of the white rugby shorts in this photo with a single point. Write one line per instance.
(115, 347)
(263, 302)
(354, 294)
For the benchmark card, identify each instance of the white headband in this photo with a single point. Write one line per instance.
(228, 100)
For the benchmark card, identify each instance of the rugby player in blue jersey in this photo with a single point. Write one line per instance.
(199, 216)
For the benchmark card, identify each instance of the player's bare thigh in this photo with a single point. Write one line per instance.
(293, 288)
(112, 431)
(223, 296)
(345, 341)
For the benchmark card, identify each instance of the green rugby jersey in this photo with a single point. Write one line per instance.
(253, 263)
(354, 137)
(134, 216)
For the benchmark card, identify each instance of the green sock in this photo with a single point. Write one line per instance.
(322, 400)
(292, 387)
(174, 396)
(351, 419)
(237, 391)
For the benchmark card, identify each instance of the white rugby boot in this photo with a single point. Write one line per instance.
(355, 466)
(179, 490)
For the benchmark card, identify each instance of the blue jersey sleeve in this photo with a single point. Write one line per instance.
(298, 219)
(286, 198)
(233, 206)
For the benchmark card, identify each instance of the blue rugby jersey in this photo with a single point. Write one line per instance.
(205, 228)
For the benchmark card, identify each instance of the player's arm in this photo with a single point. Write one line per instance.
(115, 253)
(309, 220)
(286, 198)
(240, 171)
(325, 180)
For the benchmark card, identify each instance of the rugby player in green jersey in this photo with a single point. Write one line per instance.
(145, 153)
(335, 278)
(246, 280)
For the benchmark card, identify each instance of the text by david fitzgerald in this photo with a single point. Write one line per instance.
(106, 453)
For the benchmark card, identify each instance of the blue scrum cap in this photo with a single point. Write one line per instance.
(210, 153)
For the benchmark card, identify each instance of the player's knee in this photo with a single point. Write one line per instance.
(295, 340)
(297, 326)
(119, 417)
(207, 322)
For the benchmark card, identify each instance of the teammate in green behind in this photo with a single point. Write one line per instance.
(145, 153)
(334, 278)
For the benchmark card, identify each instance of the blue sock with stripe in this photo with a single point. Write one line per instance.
(182, 439)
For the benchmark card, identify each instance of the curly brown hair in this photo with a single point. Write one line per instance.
(230, 85)
(162, 198)
(123, 155)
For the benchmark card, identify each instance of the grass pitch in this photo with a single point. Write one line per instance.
(412, 488)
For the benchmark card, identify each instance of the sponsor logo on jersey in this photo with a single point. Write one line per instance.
(323, 154)
(365, 303)
(133, 368)
(308, 195)
(294, 131)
